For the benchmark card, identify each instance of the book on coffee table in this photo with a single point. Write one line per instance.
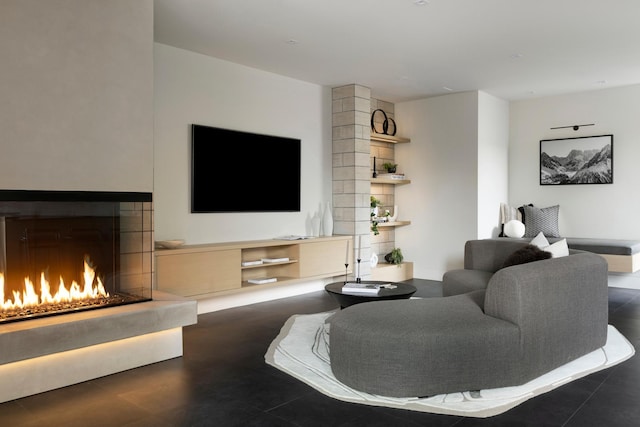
(361, 288)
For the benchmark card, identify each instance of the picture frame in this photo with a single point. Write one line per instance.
(578, 160)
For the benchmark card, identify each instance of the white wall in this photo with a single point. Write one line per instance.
(193, 88)
(76, 99)
(442, 163)
(608, 210)
(493, 162)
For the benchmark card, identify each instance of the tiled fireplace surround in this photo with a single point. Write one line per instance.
(45, 353)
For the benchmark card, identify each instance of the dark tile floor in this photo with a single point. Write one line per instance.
(222, 380)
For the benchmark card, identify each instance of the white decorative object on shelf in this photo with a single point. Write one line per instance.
(373, 261)
(394, 217)
(315, 225)
(327, 221)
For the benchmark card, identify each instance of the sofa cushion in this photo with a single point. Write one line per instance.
(540, 241)
(543, 220)
(605, 246)
(558, 249)
(423, 347)
(514, 228)
(527, 254)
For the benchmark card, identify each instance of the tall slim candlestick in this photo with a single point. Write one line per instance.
(346, 263)
(346, 260)
(359, 246)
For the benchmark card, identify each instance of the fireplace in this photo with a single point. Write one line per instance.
(101, 238)
(63, 251)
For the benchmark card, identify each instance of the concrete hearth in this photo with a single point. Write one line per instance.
(48, 353)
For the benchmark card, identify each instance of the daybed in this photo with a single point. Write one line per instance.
(531, 318)
(622, 255)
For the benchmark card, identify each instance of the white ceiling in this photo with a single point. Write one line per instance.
(512, 49)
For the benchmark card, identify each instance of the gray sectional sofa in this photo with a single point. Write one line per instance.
(523, 322)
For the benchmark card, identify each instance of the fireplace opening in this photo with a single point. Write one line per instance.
(64, 252)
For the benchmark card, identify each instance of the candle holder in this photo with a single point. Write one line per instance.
(346, 270)
(358, 272)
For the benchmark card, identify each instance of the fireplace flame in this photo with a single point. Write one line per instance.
(30, 298)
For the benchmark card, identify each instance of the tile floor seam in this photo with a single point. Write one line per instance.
(583, 403)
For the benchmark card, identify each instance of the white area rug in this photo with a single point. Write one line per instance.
(302, 350)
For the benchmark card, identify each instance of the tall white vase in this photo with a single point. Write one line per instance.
(327, 221)
(315, 225)
(394, 217)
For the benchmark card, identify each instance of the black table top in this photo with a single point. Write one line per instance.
(345, 299)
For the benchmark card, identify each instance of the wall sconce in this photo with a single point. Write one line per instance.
(575, 127)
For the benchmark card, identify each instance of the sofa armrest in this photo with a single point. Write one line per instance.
(559, 304)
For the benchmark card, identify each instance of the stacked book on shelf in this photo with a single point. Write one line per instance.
(264, 261)
(293, 237)
(250, 263)
(263, 280)
(272, 260)
(391, 175)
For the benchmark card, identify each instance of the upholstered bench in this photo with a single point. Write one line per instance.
(623, 256)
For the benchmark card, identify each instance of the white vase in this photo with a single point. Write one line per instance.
(315, 225)
(394, 217)
(327, 221)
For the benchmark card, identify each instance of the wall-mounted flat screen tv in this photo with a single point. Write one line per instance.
(235, 171)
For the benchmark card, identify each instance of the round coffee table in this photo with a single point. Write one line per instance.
(402, 291)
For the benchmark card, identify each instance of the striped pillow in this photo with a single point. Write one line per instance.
(543, 220)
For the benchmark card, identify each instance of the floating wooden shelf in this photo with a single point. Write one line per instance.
(393, 223)
(268, 264)
(388, 138)
(390, 181)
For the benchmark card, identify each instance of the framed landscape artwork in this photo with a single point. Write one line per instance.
(581, 160)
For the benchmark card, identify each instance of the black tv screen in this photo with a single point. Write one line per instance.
(235, 171)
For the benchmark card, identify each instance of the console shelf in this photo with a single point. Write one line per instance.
(207, 269)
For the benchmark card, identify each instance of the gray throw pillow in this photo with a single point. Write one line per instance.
(543, 220)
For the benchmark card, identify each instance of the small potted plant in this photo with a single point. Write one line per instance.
(390, 167)
(394, 257)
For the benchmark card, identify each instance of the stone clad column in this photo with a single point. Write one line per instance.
(351, 118)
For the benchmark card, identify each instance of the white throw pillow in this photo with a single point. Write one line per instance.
(558, 249)
(540, 241)
(514, 228)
